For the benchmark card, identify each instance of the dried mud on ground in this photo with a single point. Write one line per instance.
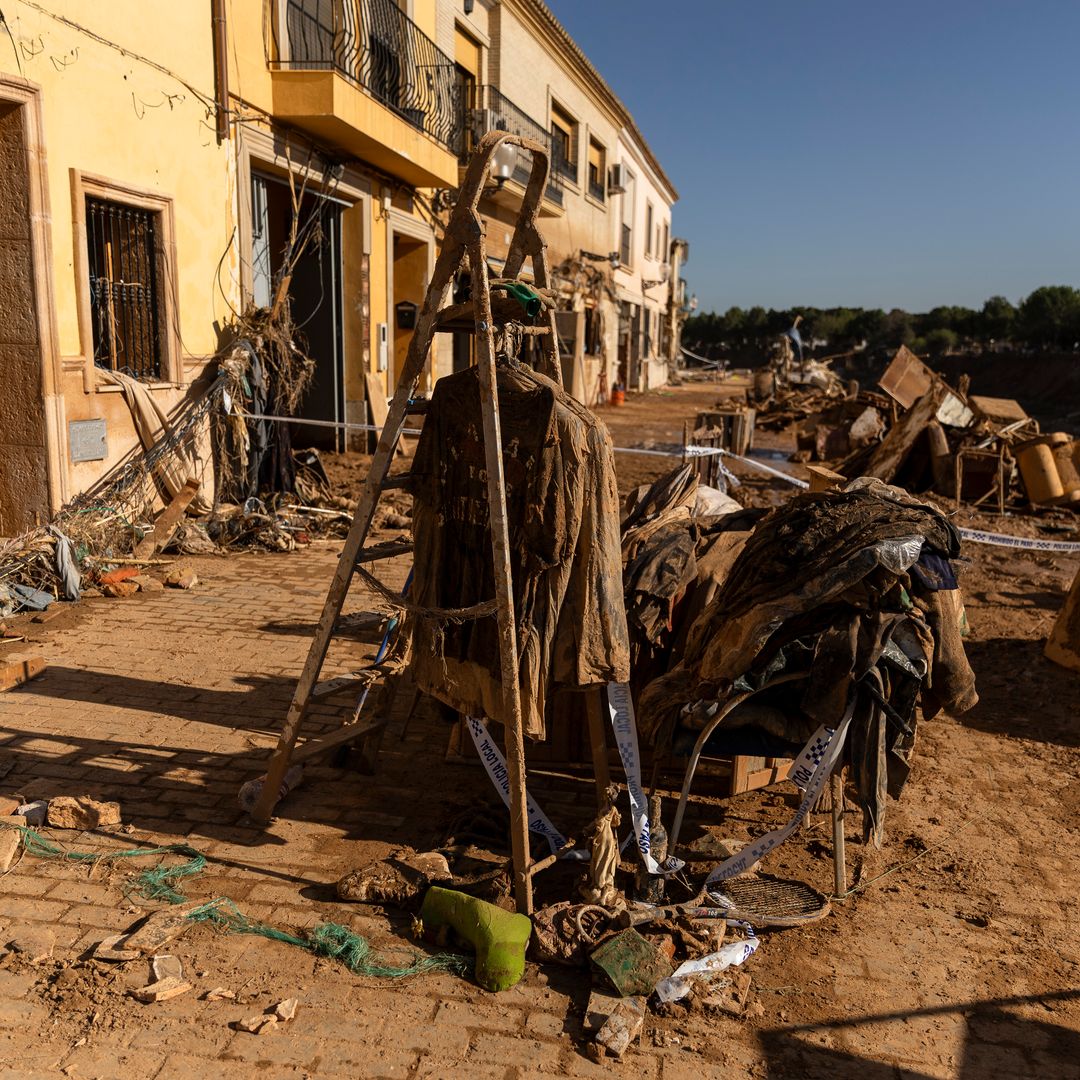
(957, 956)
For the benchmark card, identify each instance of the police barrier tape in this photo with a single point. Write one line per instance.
(1027, 543)
(814, 766)
(495, 764)
(621, 709)
(976, 536)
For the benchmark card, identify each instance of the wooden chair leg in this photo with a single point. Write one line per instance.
(598, 743)
(839, 858)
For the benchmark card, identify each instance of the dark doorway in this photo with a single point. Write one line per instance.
(314, 292)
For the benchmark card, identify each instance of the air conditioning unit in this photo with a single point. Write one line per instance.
(617, 179)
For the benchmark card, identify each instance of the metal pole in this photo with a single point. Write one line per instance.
(839, 863)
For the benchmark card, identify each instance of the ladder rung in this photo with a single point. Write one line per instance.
(388, 550)
(418, 406)
(462, 317)
(322, 743)
(392, 483)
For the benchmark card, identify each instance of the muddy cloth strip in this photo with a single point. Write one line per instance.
(562, 509)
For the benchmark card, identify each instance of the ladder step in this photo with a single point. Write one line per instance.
(418, 406)
(461, 318)
(388, 550)
(346, 734)
(392, 483)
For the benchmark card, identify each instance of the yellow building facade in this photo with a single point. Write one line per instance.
(158, 159)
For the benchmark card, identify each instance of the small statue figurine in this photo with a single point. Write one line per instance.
(599, 887)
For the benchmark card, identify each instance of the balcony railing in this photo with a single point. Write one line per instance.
(490, 110)
(374, 44)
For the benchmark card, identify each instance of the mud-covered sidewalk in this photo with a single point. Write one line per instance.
(958, 958)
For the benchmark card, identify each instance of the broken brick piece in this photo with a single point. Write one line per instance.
(82, 812)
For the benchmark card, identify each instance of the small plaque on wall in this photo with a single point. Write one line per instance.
(87, 440)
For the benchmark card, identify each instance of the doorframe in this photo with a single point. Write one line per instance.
(398, 223)
(273, 153)
(27, 96)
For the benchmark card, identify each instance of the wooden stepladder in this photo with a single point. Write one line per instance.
(464, 243)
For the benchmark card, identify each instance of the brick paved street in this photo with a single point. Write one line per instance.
(167, 702)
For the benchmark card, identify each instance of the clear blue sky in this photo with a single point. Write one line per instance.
(832, 152)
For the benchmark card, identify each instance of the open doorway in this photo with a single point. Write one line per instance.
(314, 292)
(410, 276)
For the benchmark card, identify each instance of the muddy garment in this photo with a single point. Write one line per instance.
(831, 576)
(562, 510)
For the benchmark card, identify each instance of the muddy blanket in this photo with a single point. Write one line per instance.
(853, 592)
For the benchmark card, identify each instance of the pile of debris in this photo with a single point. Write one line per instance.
(925, 435)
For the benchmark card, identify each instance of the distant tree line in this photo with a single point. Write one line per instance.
(1049, 318)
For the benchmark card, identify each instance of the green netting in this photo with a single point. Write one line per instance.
(159, 883)
(331, 940)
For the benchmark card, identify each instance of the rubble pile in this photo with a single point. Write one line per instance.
(927, 436)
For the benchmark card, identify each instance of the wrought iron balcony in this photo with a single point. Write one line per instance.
(374, 44)
(489, 110)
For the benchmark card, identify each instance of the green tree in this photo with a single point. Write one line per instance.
(868, 326)
(997, 320)
(1050, 316)
(941, 340)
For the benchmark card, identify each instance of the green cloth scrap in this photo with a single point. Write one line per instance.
(528, 298)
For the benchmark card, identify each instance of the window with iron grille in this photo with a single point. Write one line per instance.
(123, 257)
(564, 143)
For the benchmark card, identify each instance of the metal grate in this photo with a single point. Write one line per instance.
(762, 900)
(125, 294)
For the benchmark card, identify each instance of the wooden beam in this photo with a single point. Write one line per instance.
(167, 521)
(18, 672)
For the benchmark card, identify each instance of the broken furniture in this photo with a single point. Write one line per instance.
(483, 315)
(724, 429)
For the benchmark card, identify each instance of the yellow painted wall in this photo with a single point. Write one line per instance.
(139, 114)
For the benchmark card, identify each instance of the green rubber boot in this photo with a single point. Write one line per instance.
(498, 936)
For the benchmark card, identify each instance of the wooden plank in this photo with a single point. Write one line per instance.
(167, 521)
(388, 550)
(18, 672)
(907, 378)
(504, 592)
(311, 747)
(895, 447)
(335, 686)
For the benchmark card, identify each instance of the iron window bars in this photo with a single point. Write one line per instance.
(125, 291)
